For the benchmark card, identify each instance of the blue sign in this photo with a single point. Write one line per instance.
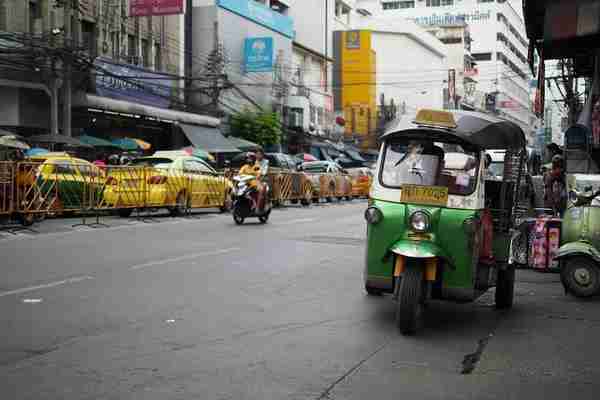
(258, 54)
(133, 84)
(260, 14)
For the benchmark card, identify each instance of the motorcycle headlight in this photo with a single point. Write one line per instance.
(373, 215)
(419, 221)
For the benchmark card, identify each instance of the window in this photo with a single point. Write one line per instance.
(425, 163)
(34, 13)
(482, 56)
(146, 52)
(486, 1)
(63, 167)
(114, 44)
(88, 37)
(157, 57)
(439, 3)
(132, 50)
(395, 5)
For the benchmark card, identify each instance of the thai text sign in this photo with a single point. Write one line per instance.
(144, 8)
(130, 83)
(260, 14)
(258, 54)
(451, 19)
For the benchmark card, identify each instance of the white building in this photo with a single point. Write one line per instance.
(499, 44)
(419, 79)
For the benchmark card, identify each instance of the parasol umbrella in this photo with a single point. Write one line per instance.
(36, 151)
(307, 157)
(126, 144)
(243, 144)
(58, 139)
(143, 145)
(195, 152)
(13, 142)
(95, 141)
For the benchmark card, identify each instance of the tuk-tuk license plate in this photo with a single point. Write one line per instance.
(431, 195)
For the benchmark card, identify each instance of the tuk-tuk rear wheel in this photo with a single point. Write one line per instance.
(505, 288)
(581, 276)
(409, 311)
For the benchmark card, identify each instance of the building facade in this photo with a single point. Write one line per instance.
(499, 45)
(125, 71)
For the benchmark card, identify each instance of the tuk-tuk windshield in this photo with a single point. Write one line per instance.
(425, 163)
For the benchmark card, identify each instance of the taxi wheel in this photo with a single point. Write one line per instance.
(409, 310)
(125, 212)
(228, 204)
(180, 206)
(27, 219)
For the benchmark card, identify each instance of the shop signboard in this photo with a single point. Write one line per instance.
(130, 83)
(260, 14)
(144, 8)
(258, 54)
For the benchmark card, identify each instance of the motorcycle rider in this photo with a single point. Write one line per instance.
(257, 165)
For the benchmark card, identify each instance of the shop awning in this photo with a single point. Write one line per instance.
(208, 138)
(126, 107)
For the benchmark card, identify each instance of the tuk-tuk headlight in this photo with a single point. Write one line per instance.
(373, 215)
(419, 221)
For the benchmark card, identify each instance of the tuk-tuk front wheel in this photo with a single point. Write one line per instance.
(581, 276)
(505, 288)
(409, 310)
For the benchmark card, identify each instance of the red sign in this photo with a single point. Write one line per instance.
(471, 72)
(144, 8)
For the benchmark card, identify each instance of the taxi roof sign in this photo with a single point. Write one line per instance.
(442, 119)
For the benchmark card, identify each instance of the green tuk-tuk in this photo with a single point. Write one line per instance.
(437, 227)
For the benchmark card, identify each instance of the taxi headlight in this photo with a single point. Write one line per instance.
(419, 221)
(373, 215)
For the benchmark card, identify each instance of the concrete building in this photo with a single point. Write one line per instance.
(362, 84)
(461, 88)
(499, 45)
(127, 71)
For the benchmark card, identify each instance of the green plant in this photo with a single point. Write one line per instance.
(263, 128)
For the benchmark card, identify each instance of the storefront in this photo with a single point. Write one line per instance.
(127, 101)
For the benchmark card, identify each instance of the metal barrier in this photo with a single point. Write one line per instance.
(63, 186)
(291, 186)
(7, 187)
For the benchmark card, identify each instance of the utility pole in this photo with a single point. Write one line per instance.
(68, 47)
(189, 48)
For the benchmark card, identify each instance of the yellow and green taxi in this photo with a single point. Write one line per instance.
(167, 179)
(65, 183)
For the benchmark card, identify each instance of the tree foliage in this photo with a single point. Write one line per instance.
(263, 128)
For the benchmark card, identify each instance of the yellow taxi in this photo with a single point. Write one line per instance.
(59, 182)
(167, 179)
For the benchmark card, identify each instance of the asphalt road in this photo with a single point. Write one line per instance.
(198, 308)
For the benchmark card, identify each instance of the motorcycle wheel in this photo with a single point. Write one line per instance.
(580, 276)
(238, 220)
(264, 218)
(409, 311)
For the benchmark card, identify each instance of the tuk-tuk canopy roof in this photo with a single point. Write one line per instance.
(478, 129)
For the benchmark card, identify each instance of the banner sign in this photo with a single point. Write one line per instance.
(453, 19)
(125, 82)
(258, 54)
(145, 8)
(260, 14)
(452, 88)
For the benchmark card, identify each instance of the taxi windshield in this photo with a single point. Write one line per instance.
(425, 163)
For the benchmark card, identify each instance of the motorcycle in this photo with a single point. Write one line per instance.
(245, 200)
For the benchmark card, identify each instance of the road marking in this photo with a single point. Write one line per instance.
(183, 258)
(45, 286)
(296, 221)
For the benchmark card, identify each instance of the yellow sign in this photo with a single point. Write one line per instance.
(442, 119)
(429, 195)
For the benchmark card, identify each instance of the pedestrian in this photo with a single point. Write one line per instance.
(555, 186)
